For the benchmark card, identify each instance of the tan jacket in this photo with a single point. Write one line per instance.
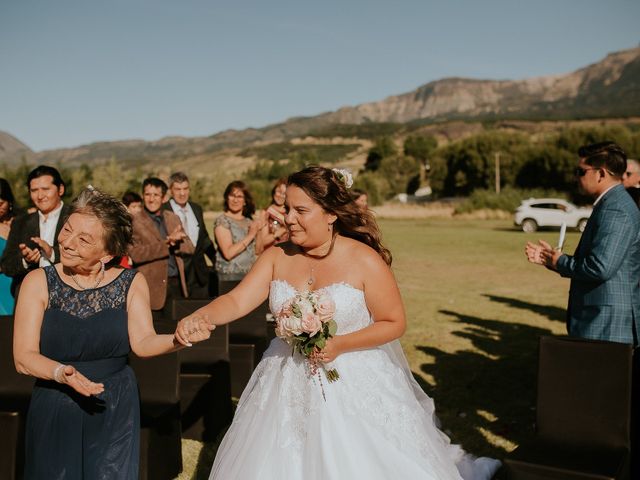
(150, 255)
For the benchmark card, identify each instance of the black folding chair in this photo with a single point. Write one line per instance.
(15, 394)
(205, 380)
(249, 337)
(160, 436)
(584, 413)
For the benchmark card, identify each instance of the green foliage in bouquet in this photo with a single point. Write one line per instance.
(307, 345)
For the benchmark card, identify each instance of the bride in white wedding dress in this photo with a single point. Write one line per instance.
(373, 423)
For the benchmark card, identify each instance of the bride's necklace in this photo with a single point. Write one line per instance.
(98, 281)
(312, 279)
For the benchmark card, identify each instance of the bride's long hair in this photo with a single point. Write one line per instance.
(327, 189)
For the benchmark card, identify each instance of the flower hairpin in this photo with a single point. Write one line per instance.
(344, 176)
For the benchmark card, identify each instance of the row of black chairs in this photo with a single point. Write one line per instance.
(187, 394)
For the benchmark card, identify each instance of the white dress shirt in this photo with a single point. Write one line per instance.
(603, 194)
(188, 219)
(48, 234)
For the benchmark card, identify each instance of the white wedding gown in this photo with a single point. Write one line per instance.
(375, 423)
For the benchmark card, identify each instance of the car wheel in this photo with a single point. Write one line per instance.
(582, 224)
(529, 225)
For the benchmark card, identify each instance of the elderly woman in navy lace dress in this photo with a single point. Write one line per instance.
(75, 324)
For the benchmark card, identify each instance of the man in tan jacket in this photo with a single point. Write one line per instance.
(159, 242)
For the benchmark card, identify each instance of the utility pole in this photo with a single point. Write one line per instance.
(497, 156)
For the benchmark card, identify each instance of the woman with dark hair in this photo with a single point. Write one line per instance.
(274, 230)
(7, 212)
(134, 205)
(374, 422)
(236, 234)
(75, 324)
(133, 202)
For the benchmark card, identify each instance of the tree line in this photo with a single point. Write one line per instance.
(529, 163)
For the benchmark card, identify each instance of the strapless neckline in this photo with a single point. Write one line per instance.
(326, 287)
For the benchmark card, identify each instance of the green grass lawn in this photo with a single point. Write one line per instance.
(475, 311)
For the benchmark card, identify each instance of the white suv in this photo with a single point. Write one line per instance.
(550, 212)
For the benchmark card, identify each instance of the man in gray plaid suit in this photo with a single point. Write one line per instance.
(604, 297)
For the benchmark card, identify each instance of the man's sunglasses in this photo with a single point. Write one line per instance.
(581, 172)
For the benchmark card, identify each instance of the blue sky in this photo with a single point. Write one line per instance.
(79, 71)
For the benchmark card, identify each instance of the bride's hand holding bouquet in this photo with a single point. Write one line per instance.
(331, 351)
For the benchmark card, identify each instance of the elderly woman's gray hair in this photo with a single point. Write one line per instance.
(115, 219)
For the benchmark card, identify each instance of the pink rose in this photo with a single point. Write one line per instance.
(290, 325)
(287, 308)
(325, 307)
(283, 323)
(311, 323)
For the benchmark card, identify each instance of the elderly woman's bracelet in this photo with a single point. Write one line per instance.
(56, 373)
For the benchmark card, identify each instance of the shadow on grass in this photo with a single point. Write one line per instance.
(207, 454)
(205, 461)
(551, 312)
(490, 390)
(519, 229)
(507, 229)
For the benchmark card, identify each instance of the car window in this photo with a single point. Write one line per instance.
(542, 205)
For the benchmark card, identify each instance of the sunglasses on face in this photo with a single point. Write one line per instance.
(581, 172)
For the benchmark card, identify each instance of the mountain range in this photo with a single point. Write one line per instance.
(609, 88)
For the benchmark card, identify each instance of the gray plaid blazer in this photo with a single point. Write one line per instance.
(604, 297)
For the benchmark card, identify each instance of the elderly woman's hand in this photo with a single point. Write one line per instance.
(194, 328)
(67, 374)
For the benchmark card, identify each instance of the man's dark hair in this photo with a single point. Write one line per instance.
(156, 182)
(607, 155)
(41, 171)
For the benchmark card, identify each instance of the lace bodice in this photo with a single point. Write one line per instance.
(84, 303)
(351, 310)
(86, 325)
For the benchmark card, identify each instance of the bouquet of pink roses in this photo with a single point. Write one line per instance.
(306, 323)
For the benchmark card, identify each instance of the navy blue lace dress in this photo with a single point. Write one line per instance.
(69, 436)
